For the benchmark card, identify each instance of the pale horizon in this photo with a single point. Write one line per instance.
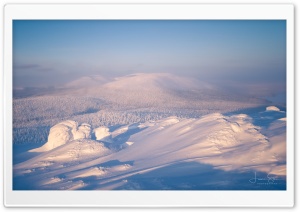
(52, 53)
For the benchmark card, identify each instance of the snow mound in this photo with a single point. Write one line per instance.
(127, 144)
(95, 171)
(102, 134)
(83, 131)
(64, 156)
(64, 132)
(272, 108)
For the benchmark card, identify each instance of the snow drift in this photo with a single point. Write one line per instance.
(211, 152)
(102, 134)
(272, 108)
(64, 132)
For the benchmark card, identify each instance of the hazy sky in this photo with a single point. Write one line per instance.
(53, 52)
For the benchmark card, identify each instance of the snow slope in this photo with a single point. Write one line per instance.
(211, 152)
(160, 90)
(87, 81)
(135, 98)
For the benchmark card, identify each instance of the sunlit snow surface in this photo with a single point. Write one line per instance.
(147, 132)
(212, 152)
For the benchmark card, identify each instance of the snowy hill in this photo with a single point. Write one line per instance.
(159, 90)
(147, 131)
(211, 152)
(87, 81)
(148, 81)
(124, 100)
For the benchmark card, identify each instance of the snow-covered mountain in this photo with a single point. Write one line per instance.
(156, 90)
(87, 81)
(124, 100)
(139, 81)
(147, 131)
(211, 152)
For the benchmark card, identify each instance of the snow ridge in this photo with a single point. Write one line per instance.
(226, 143)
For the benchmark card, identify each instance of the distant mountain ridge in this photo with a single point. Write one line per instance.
(134, 81)
(152, 89)
(86, 81)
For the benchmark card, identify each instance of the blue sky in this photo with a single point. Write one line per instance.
(54, 52)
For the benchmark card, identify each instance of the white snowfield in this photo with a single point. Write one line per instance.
(211, 152)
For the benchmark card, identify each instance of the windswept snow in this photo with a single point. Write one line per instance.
(64, 132)
(147, 131)
(272, 108)
(67, 155)
(102, 134)
(136, 98)
(204, 150)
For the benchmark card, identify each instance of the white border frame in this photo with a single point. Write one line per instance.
(147, 198)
